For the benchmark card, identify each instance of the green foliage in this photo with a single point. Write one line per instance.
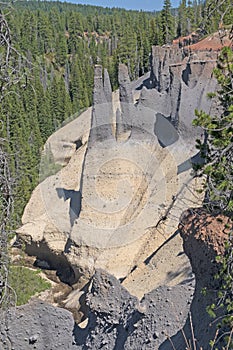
(59, 43)
(187, 17)
(167, 23)
(217, 150)
(47, 166)
(215, 14)
(225, 294)
(211, 310)
(26, 283)
(91, 34)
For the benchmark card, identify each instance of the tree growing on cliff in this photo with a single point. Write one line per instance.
(217, 151)
(215, 14)
(218, 148)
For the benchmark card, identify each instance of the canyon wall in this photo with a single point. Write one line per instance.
(164, 319)
(107, 222)
(128, 175)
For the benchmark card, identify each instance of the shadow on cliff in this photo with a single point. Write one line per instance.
(198, 325)
(46, 259)
(122, 330)
(75, 202)
(204, 236)
(165, 131)
(188, 164)
(148, 83)
(167, 135)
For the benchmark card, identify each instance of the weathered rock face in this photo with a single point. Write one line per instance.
(102, 113)
(113, 218)
(116, 206)
(116, 320)
(181, 81)
(162, 59)
(121, 194)
(37, 326)
(119, 321)
(204, 237)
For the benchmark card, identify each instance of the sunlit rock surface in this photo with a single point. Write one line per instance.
(128, 175)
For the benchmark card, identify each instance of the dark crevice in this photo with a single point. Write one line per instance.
(81, 334)
(45, 258)
(121, 280)
(149, 83)
(75, 202)
(175, 121)
(147, 261)
(186, 74)
(78, 144)
(124, 331)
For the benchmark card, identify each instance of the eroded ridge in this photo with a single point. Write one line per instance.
(120, 195)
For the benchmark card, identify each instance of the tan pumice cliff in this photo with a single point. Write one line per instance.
(120, 196)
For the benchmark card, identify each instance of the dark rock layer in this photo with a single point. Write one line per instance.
(204, 236)
(37, 325)
(119, 321)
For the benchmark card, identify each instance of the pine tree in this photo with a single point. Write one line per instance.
(216, 13)
(167, 23)
(42, 107)
(182, 21)
(28, 33)
(218, 168)
(128, 51)
(61, 49)
(45, 37)
(190, 17)
(75, 30)
(218, 149)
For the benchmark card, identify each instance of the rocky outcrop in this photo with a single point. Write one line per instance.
(102, 113)
(126, 101)
(114, 222)
(117, 320)
(204, 237)
(162, 58)
(181, 81)
(214, 42)
(187, 40)
(107, 221)
(64, 143)
(129, 178)
(37, 325)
